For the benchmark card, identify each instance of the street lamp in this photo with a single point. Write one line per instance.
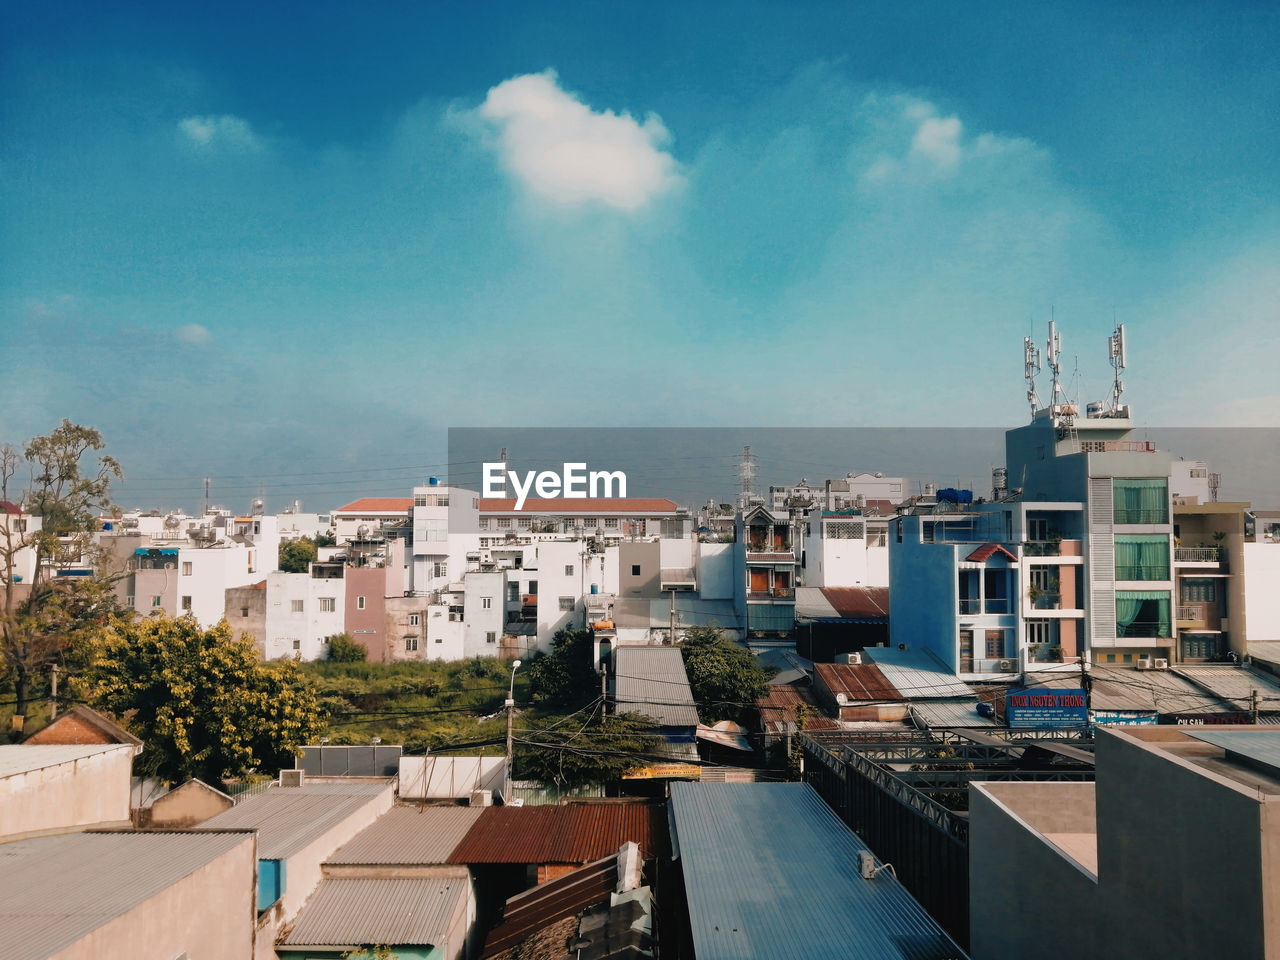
(511, 709)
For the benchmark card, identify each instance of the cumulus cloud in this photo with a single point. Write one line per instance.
(226, 131)
(193, 334)
(567, 153)
(925, 145)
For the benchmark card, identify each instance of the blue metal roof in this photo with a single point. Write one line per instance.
(771, 872)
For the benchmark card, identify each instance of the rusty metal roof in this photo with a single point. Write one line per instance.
(859, 603)
(566, 896)
(779, 708)
(574, 833)
(409, 834)
(857, 681)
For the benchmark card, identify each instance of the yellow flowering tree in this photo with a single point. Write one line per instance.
(202, 701)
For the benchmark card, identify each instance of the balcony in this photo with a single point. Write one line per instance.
(1135, 515)
(1117, 446)
(970, 607)
(779, 555)
(1198, 554)
(1158, 571)
(777, 593)
(1002, 665)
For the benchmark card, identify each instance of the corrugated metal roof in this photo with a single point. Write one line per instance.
(812, 604)
(289, 818)
(574, 833)
(565, 896)
(770, 872)
(1259, 749)
(950, 713)
(915, 673)
(652, 681)
(397, 911)
(857, 681)
(25, 757)
(779, 708)
(859, 603)
(1235, 684)
(410, 834)
(56, 890)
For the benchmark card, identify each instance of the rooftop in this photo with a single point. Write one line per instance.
(652, 681)
(771, 872)
(378, 505)
(354, 911)
(857, 681)
(779, 708)
(26, 757)
(408, 834)
(573, 833)
(916, 674)
(56, 890)
(847, 604)
(289, 818)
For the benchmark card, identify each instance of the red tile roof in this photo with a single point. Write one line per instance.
(780, 706)
(583, 505)
(988, 550)
(378, 505)
(858, 603)
(575, 833)
(7, 507)
(857, 681)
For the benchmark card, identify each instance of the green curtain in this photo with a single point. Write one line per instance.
(1141, 500)
(1144, 607)
(1127, 608)
(1142, 557)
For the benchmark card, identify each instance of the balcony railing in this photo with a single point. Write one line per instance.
(998, 605)
(777, 593)
(1001, 665)
(970, 606)
(780, 555)
(1192, 611)
(1198, 554)
(1145, 629)
(1135, 515)
(1159, 571)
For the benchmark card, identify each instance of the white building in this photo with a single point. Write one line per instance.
(303, 611)
(845, 548)
(362, 518)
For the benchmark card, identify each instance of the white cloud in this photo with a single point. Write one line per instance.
(565, 152)
(194, 334)
(205, 133)
(922, 145)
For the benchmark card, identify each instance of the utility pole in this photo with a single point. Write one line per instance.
(1253, 706)
(53, 693)
(511, 711)
(671, 635)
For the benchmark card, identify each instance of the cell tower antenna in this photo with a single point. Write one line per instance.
(1053, 353)
(205, 510)
(1030, 369)
(746, 476)
(1116, 347)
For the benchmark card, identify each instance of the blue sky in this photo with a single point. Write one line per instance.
(268, 243)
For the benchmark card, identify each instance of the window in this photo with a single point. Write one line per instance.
(244, 611)
(155, 601)
(439, 639)
(441, 569)
(1199, 473)
(877, 538)
(1143, 613)
(359, 603)
(419, 499)
(186, 568)
(590, 522)
(296, 605)
(186, 603)
(524, 522)
(635, 569)
(484, 541)
(490, 637)
(328, 604)
(415, 619)
(1142, 557)
(1199, 591)
(1039, 631)
(566, 604)
(995, 644)
(486, 603)
(484, 523)
(1201, 646)
(568, 569)
(1141, 500)
(504, 523)
(297, 644)
(513, 592)
(410, 644)
(611, 523)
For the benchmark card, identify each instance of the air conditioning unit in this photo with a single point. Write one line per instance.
(291, 778)
(1008, 666)
(855, 658)
(1143, 663)
(482, 798)
(1160, 663)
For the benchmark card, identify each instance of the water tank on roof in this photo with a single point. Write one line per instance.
(433, 481)
(930, 489)
(172, 521)
(258, 505)
(363, 531)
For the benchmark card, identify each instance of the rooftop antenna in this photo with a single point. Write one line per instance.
(1116, 347)
(1031, 368)
(1054, 354)
(206, 496)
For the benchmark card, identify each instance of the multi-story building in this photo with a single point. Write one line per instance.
(845, 548)
(606, 518)
(361, 518)
(853, 490)
(766, 564)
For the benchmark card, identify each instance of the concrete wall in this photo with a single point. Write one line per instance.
(302, 633)
(185, 806)
(645, 554)
(1261, 574)
(207, 915)
(1014, 874)
(89, 791)
(246, 612)
(923, 600)
(481, 621)
(367, 625)
(715, 571)
(406, 640)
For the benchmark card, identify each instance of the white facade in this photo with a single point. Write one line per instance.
(302, 612)
(846, 551)
(17, 530)
(1189, 481)
(1261, 576)
(485, 622)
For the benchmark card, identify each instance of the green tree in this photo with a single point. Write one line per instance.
(326, 540)
(725, 678)
(565, 678)
(202, 701)
(43, 620)
(295, 555)
(342, 649)
(601, 749)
